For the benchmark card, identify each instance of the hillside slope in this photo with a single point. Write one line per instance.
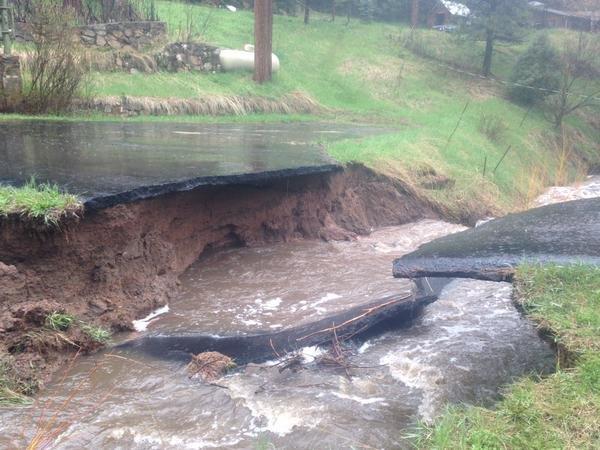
(454, 138)
(362, 72)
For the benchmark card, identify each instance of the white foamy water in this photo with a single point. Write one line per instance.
(142, 324)
(590, 188)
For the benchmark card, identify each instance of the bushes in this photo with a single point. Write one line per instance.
(493, 127)
(56, 69)
(539, 68)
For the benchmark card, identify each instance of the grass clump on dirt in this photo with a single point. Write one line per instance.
(96, 333)
(14, 390)
(59, 321)
(58, 334)
(561, 411)
(39, 202)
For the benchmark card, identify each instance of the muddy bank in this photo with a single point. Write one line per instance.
(119, 263)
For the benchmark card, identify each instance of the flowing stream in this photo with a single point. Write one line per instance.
(463, 348)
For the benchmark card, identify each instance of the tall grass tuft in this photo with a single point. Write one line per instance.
(39, 202)
(13, 389)
(212, 104)
(59, 321)
(493, 127)
(96, 333)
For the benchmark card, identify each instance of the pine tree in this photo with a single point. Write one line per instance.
(539, 68)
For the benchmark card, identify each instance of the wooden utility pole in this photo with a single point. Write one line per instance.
(414, 14)
(306, 11)
(263, 40)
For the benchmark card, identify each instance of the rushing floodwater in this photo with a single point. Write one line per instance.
(463, 348)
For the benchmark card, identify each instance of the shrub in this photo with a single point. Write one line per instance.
(539, 68)
(56, 69)
(414, 41)
(493, 127)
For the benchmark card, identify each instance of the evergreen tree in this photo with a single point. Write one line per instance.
(538, 67)
(366, 10)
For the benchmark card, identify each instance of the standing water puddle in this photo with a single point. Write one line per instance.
(463, 348)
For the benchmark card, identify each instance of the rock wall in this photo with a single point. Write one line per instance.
(116, 36)
(10, 82)
(179, 56)
(136, 35)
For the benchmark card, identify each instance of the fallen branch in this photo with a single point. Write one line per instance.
(354, 319)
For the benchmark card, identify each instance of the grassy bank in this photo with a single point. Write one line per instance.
(251, 118)
(40, 203)
(362, 72)
(561, 411)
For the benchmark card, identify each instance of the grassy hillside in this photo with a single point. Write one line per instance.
(362, 72)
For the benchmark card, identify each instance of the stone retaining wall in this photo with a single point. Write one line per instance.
(117, 36)
(179, 56)
(136, 35)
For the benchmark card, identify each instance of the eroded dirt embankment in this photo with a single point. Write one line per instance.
(119, 263)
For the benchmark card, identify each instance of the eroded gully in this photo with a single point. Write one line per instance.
(462, 348)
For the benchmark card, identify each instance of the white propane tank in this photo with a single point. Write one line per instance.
(242, 60)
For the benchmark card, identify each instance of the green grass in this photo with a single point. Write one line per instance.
(14, 390)
(59, 321)
(561, 411)
(362, 72)
(35, 201)
(96, 333)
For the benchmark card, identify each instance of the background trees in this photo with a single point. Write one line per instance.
(535, 72)
(493, 20)
(579, 72)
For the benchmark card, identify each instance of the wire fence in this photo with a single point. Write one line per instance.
(511, 83)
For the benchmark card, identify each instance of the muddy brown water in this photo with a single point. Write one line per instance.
(463, 348)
